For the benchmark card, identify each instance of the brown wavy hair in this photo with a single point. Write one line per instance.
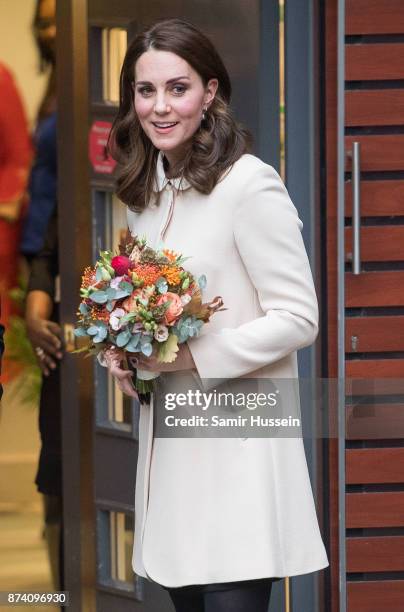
(216, 145)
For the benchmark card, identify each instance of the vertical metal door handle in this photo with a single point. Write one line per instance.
(356, 208)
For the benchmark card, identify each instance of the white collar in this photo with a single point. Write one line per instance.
(161, 180)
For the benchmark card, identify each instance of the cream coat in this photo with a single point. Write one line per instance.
(216, 510)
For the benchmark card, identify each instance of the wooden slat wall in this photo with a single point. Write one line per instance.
(375, 422)
(374, 62)
(374, 465)
(374, 17)
(374, 334)
(374, 340)
(378, 243)
(376, 596)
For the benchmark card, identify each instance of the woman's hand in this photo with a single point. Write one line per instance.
(46, 339)
(184, 361)
(113, 359)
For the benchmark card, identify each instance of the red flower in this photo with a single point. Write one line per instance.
(121, 264)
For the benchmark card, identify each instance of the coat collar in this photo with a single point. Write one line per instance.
(161, 180)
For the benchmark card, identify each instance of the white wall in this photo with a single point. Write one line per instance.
(18, 51)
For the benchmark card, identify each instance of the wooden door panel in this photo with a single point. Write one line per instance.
(378, 243)
(378, 198)
(375, 334)
(374, 62)
(378, 152)
(374, 368)
(375, 289)
(375, 422)
(376, 596)
(375, 465)
(374, 16)
(375, 510)
(378, 107)
(378, 554)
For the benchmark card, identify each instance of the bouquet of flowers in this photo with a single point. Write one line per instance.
(141, 301)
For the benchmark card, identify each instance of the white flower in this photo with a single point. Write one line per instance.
(161, 333)
(185, 299)
(115, 282)
(115, 318)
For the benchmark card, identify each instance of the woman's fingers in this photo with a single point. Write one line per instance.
(43, 366)
(55, 329)
(51, 336)
(124, 378)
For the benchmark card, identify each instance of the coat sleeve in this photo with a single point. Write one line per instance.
(15, 143)
(45, 264)
(267, 234)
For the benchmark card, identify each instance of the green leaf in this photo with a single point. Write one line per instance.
(92, 330)
(123, 338)
(100, 337)
(168, 350)
(80, 332)
(133, 344)
(99, 297)
(83, 308)
(146, 349)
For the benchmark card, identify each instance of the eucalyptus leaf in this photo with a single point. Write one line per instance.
(125, 286)
(83, 308)
(99, 297)
(161, 285)
(123, 338)
(202, 282)
(146, 349)
(98, 274)
(92, 330)
(111, 293)
(133, 344)
(120, 293)
(80, 332)
(100, 337)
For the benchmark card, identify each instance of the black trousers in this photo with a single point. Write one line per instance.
(243, 596)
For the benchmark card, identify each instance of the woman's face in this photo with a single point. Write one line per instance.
(169, 98)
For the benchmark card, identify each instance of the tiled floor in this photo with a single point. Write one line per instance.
(24, 564)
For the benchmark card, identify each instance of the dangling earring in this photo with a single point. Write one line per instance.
(205, 108)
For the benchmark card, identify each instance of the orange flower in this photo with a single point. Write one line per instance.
(148, 273)
(172, 275)
(171, 255)
(175, 308)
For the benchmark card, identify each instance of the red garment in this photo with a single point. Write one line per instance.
(15, 159)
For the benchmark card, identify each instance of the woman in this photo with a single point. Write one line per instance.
(43, 179)
(216, 520)
(39, 245)
(15, 159)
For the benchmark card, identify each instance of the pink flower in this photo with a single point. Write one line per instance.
(121, 264)
(130, 303)
(175, 308)
(115, 282)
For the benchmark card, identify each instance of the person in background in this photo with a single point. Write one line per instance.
(39, 245)
(15, 160)
(44, 332)
(1, 355)
(42, 183)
